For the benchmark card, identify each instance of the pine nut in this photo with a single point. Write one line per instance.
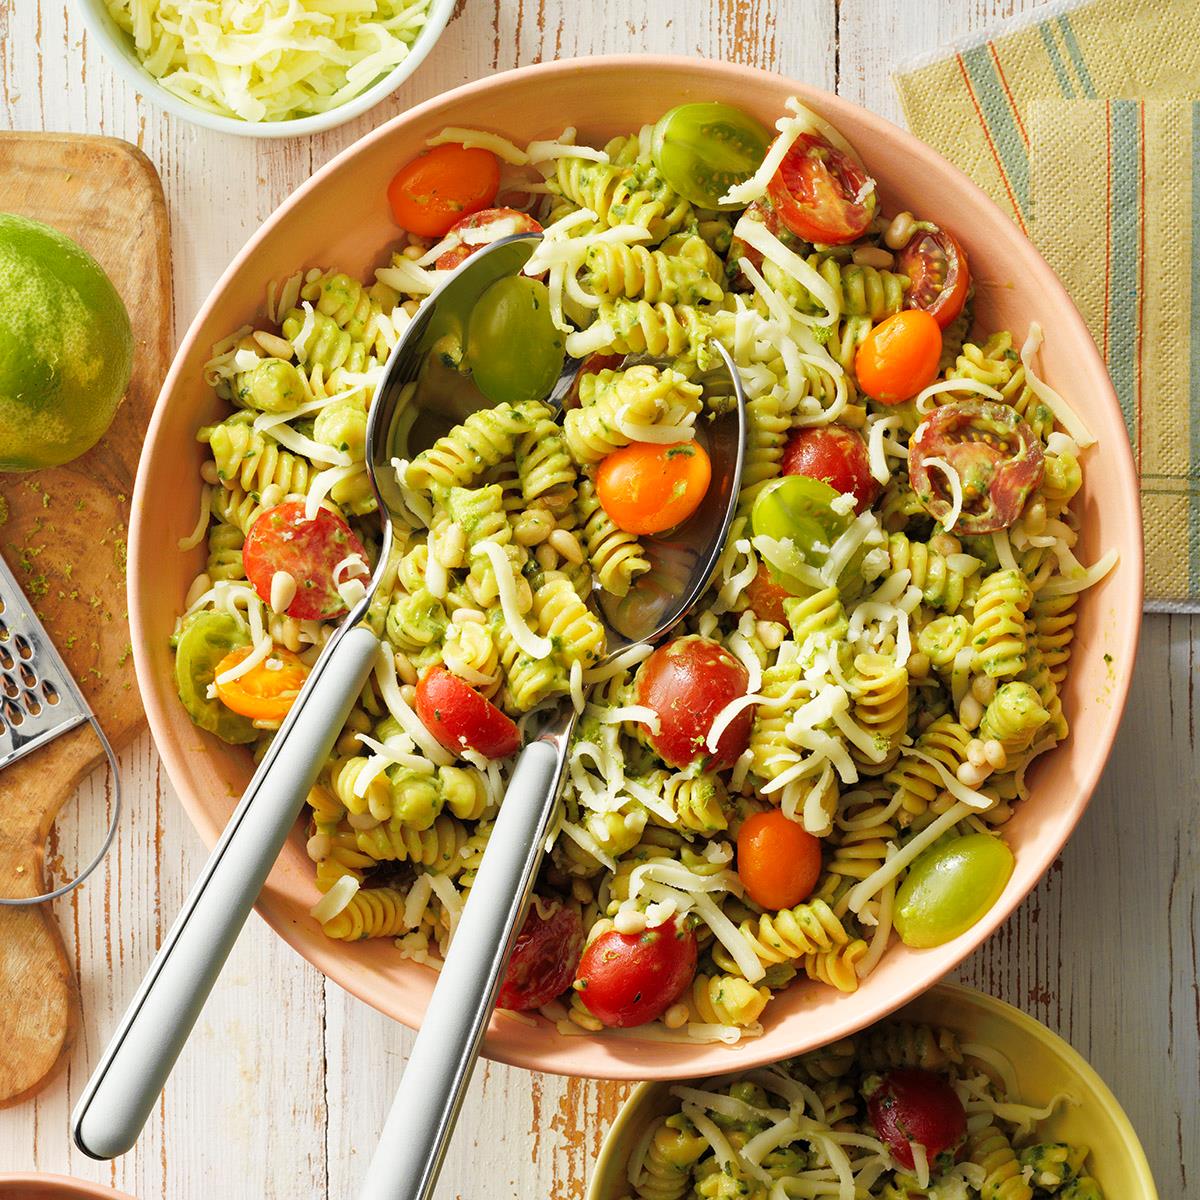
(319, 847)
(996, 755)
(283, 591)
(274, 345)
(873, 256)
(408, 693)
(629, 920)
(200, 585)
(547, 556)
(970, 712)
(983, 688)
(975, 753)
(971, 775)
(405, 668)
(676, 1017)
(208, 472)
(900, 231)
(533, 527)
(567, 544)
(451, 547)
(770, 633)
(412, 253)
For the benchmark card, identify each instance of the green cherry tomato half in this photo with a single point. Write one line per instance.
(205, 639)
(949, 887)
(797, 508)
(513, 349)
(702, 150)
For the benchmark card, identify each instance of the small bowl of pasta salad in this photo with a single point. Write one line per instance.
(958, 1095)
(855, 756)
(266, 70)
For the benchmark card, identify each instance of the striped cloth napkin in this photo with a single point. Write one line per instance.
(1082, 121)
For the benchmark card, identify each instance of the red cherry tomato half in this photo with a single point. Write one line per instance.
(627, 979)
(778, 861)
(544, 958)
(687, 682)
(284, 539)
(939, 279)
(998, 460)
(765, 597)
(437, 188)
(461, 719)
(836, 455)
(911, 1105)
(821, 194)
(648, 488)
(899, 356)
(506, 221)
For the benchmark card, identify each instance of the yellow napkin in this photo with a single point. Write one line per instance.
(1079, 120)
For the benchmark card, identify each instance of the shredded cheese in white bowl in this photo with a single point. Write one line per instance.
(271, 68)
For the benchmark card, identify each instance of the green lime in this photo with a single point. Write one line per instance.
(66, 348)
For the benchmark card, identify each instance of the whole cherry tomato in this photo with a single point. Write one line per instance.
(835, 454)
(899, 356)
(777, 859)
(687, 682)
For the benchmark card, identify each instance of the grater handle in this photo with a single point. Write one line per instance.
(133, 1071)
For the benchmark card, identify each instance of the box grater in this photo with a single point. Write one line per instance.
(39, 701)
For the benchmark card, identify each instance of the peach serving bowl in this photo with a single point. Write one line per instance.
(54, 1187)
(340, 218)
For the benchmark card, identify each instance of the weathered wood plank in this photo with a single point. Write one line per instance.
(284, 1089)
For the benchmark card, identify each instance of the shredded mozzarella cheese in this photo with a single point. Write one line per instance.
(335, 900)
(1063, 413)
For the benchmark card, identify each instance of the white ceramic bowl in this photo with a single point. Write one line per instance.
(119, 52)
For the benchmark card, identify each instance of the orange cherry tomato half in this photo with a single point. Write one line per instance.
(899, 356)
(939, 278)
(821, 194)
(765, 597)
(267, 691)
(499, 222)
(648, 488)
(441, 186)
(778, 861)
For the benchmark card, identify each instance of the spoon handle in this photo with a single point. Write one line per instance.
(418, 1128)
(133, 1070)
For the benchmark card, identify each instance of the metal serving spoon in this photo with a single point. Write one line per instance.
(134, 1068)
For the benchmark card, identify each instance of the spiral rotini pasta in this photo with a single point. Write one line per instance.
(873, 664)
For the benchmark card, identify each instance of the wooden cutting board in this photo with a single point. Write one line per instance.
(63, 534)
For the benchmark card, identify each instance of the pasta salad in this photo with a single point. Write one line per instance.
(898, 1111)
(826, 752)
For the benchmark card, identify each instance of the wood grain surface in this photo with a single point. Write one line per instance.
(63, 535)
(283, 1090)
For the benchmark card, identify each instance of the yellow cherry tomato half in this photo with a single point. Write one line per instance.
(899, 356)
(647, 488)
(268, 690)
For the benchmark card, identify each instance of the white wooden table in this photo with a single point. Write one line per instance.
(283, 1088)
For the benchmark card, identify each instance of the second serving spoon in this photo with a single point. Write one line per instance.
(422, 1118)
